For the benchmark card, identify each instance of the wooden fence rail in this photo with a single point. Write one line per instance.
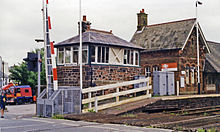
(116, 94)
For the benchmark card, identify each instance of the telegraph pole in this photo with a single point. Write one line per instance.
(80, 48)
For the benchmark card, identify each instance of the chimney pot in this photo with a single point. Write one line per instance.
(142, 11)
(84, 18)
(110, 31)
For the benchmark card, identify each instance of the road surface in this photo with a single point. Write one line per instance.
(20, 118)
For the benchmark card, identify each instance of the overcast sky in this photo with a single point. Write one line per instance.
(21, 20)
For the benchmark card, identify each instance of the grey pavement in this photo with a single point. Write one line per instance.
(20, 118)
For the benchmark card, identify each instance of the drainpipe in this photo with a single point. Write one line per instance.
(3, 73)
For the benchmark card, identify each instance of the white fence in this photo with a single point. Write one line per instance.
(93, 101)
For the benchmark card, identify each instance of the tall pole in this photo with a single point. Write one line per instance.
(197, 42)
(80, 43)
(80, 49)
(38, 62)
(45, 42)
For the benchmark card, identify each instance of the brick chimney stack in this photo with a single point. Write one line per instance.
(142, 20)
(85, 24)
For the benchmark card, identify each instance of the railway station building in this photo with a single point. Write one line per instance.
(172, 47)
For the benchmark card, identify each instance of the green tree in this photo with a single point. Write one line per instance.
(21, 75)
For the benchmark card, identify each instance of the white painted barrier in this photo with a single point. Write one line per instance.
(116, 94)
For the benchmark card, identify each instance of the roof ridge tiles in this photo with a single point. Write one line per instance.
(100, 31)
(170, 22)
(213, 42)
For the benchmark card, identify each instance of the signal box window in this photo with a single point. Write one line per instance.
(61, 55)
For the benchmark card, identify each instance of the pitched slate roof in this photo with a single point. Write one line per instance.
(93, 36)
(171, 35)
(214, 57)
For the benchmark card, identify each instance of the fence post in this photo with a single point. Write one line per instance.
(177, 88)
(90, 96)
(96, 104)
(148, 83)
(117, 91)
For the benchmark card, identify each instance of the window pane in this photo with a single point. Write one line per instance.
(75, 56)
(103, 54)
(155, 68)
(187, 74)
(92, 53)
(99, 54)
(75, 48)
(136, 58)
(67, 55)
(147, 72)
(128, 57)
(60, 55)
(132, 60)
(84, 56)
(84, 53)
(107, 54)
(125, 56)
(192, 76)
(84, 47)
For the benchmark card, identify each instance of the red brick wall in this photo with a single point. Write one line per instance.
(100, 75)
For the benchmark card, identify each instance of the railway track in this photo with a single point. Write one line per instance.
(212, 110)
(205, 118)
(181, 120)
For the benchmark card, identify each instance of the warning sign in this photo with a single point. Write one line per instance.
(169, 67)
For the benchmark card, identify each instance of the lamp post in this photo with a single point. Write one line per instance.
(38, 64)
(197, 42)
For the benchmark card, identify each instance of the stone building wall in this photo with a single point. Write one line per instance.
(188, 57)
(183, 58)
(96, 74)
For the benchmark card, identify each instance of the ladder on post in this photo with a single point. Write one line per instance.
(50, 62)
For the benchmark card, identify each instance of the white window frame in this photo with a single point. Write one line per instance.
(156, 68)
(58, 52)
(75, 63)
(86, 55)
(65, 54)
(134, 59)
(147, 71)
(71, 55)
(130, 59)
(96, 55)
(187, 74)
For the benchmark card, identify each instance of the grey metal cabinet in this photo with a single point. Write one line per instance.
(163, 83)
